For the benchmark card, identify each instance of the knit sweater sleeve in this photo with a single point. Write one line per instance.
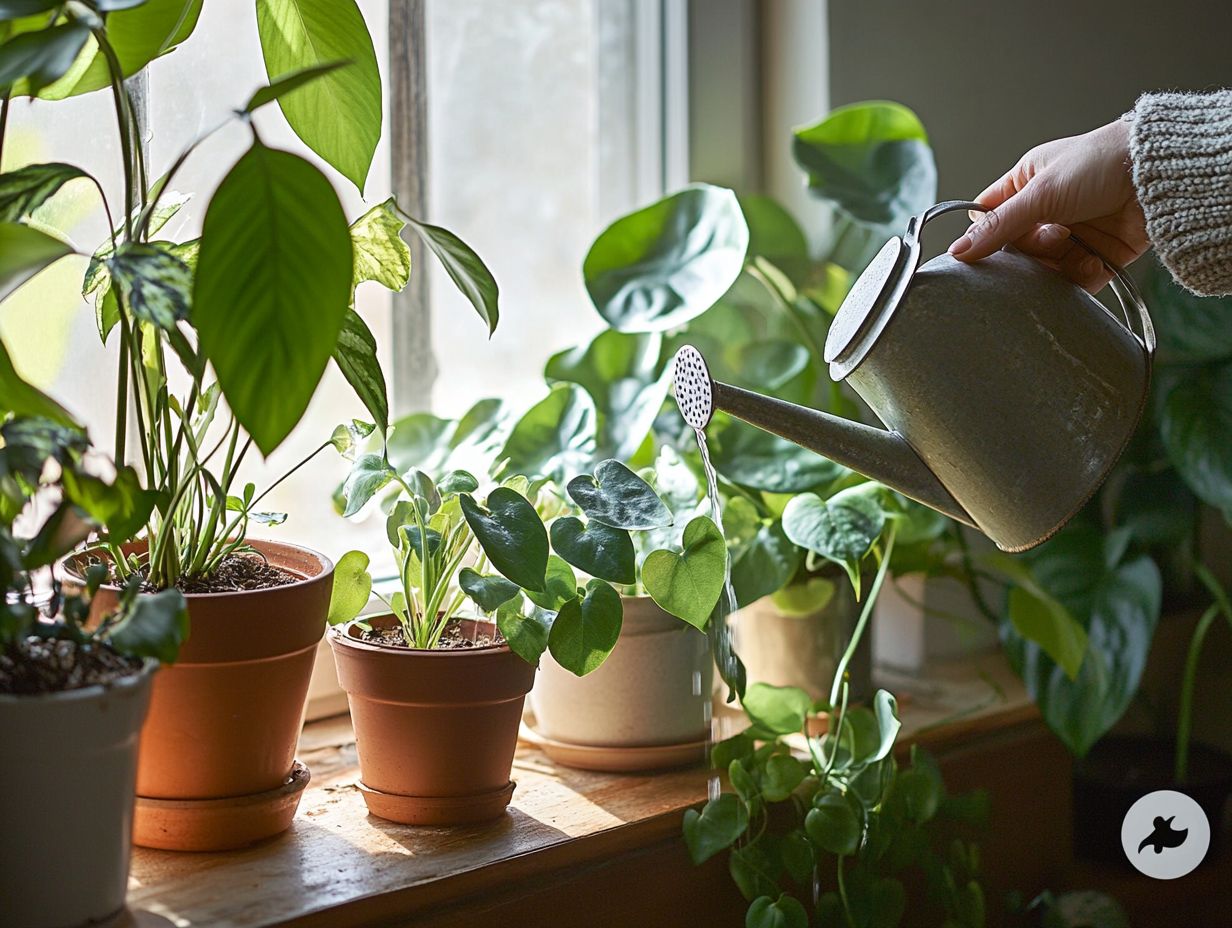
(1181, 148)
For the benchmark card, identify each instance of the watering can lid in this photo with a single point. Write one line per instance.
(870, 304)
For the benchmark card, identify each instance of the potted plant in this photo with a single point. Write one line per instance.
(250, 314)
(73, 694)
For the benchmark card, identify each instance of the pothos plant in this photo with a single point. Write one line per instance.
(515, 554)
(263, 300)
(825, 835)
(49, 487)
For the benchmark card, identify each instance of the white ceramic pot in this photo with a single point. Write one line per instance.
(804, 650)
(68, 771)
(653, 689)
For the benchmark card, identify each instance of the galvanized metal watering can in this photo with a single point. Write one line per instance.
(1008, 393)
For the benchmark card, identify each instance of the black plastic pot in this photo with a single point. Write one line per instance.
(1120, 770)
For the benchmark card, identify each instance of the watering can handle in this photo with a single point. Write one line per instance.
(1122, 284)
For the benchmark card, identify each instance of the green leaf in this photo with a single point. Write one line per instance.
(41, 57)
(155, 285)
(781, 710)
(1043, 620)
(833, 824)
(870, 159)
(753, 458)
(586, 629)
(381, 255)
(338, 115)
(663, 265)
(764, 565)
(918, 791)
(465, 268)
(1158, 508)
(1191, 329)
(556, 436)
(369, 475)
(154, 625)
(26, 189)
(511, 535)
(526, 635)
(803, 599)
(627, 377)
(737, 747)
(596, 549)
(272, 288)
(288, 83)
(15, 9)
(798, 857)
(137, 36)
(721, 821)
(753, 871)
(121, 507)
(1194, 425)
(783, 912)
(782, 774)
(62, 531)
(841, 529)
(352, 588)
(355, 355)
(688, 585)
(618, 497)
(885, 709)
(559, 586)
(24, 252)
(348, 440)
(21, 399)
(458, 481)
(489, 593)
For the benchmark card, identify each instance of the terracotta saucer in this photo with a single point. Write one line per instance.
(218, 824)
(437, 810)
(616, 759)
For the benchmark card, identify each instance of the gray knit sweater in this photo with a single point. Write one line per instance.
(1181, 148)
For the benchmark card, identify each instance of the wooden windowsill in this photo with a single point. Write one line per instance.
(339, 866)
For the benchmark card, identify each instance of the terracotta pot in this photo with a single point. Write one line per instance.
(803, 651)
(225, 718)
(435, 730)
(653, 689)
(68, 767)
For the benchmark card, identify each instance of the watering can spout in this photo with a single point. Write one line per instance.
(877, 453)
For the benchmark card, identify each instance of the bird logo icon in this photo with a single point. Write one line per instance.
(1164, 835)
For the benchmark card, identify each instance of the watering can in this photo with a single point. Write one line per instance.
(1007, 392)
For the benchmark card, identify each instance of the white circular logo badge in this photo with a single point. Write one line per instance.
(1165, 834)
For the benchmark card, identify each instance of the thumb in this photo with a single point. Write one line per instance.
(1015, 217)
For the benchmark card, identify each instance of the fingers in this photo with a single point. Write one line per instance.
(1086, 270)
(1014, 218)
(1048, 242)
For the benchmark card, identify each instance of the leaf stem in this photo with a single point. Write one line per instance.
(841, 670)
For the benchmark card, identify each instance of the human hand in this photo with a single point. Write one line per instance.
(1081, 184)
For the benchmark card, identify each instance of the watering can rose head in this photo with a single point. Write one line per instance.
(1007, 392)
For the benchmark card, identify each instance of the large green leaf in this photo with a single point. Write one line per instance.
(355, 355)
(525, 633)
(595, 548)
(841, 529)
(26, 189)
(627, 377)
(833, 824)
(154, 625)
(721, 821)
(381, 254)
(782, 710)
(338, 115)
(689, 584)
(1118, 603)
(556, 437)
(511, 535)
(755, 458)
(872, 160)
(618, 497)
(586, 628)
(668, 263)
(352, 588)
(1195, 423)
(764, 565)
(24, 252)
(488, 593)
(19, 398)
(465, 268)
(272, 288)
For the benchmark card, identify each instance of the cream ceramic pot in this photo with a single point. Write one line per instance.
(653, 689)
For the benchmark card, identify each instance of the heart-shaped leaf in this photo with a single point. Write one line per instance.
(841, 529)
(489, 593)
(618, 497)
(369, 475)
(716, 827)
(337, 115)
(352, 588)
(781, 775)
(511, 535)
(782, 710)
(272, 288)
(753, 870)
(764, 565)
(596, 549)
(668, 263)
(586, 629)
(689, 584)
(784, 912)
(833, 824)
(560, 586)
(556, 437)
(526, 634)
(754, 458)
